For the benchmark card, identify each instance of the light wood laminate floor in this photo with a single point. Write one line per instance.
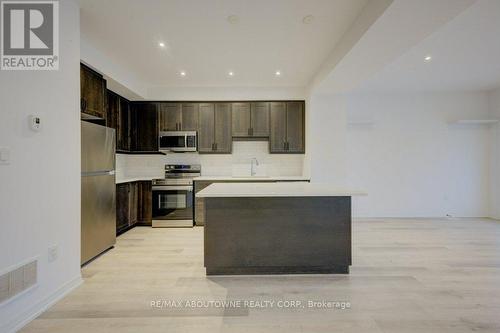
(407, 276)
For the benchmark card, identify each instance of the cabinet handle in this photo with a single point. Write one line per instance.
(216, 146)
(83, 104)
(249, 132)
(284, 145)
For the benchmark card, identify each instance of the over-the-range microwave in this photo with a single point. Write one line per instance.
(178, 141)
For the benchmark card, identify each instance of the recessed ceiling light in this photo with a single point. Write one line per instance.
(308, 19)
(278, 73)
(231, 73)
(161, 44)
(183, 73)
(428, 58)
(233, 19)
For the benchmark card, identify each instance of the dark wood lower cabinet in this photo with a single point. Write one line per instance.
(122, 207)
(145, 203)
(133, 205)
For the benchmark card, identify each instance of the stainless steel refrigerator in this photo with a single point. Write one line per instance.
(98, 190)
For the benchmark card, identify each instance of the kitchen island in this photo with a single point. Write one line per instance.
(277, 228)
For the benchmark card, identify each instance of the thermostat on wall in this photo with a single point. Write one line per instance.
(35, 123)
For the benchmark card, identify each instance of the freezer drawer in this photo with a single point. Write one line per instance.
(98, 215)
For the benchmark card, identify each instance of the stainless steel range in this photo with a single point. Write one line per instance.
(173, 199)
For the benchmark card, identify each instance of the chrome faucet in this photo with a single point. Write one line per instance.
(253, 166)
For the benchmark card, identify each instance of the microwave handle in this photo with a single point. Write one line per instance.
(172, 188)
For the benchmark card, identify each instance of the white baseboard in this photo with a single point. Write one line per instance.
(26, 317)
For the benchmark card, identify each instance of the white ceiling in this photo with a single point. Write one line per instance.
(465, 56)
(269, 36)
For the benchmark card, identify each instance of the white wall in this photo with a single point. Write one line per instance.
(224, 93)
(409, 160)
(494, 104)
(237, 163)
(40, 189)
(325, 160)
(119, 79)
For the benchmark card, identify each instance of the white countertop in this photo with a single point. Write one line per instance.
(254, 179)
(133, 179)
(215, 178)
(297, 189)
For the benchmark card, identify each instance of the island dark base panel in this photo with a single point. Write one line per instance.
(277, 235)
(277, 270)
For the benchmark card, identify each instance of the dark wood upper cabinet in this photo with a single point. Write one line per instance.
(138, 124)
(118, 117)
(250, 120)
(178, 116)
(241, 120)
(214, 135)
(124, 126)
(295, 127)
(206, 133)
(260, 119)
(170, 116)
(145, 126)
(287, 127)
(277, 138)
(113, 109)
(223, 140)
(189, 118)
(92, 92)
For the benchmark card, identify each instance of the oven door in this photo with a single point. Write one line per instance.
(173, 203)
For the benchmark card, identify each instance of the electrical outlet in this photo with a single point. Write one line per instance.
(53, 253)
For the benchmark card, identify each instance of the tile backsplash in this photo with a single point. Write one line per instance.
(237, 163)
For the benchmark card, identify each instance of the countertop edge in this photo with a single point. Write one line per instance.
(281, 189)
(270, 195)
(134, 179)
(255, 179)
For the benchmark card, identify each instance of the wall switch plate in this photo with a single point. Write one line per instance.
(53, 253)
(4, 156)
(35, 123)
